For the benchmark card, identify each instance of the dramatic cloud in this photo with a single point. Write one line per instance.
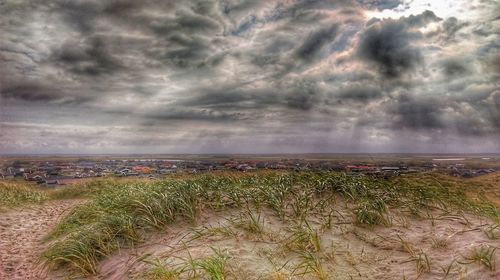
(389, 48)
(455, 67)
(414, 113)
(316, 41)
(93, 58)
(390, 44)
(381, 4)
(359, 93)
(154, 76)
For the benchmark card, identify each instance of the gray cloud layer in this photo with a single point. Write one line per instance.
(246, 76)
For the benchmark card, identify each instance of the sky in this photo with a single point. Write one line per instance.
(236, 76)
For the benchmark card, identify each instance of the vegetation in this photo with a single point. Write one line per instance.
(18, 193)
(213, 267)
(14, 194)
(160, 271)
(484, 255)
(120, 213)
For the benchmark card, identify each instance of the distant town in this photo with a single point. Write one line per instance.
(64, 171)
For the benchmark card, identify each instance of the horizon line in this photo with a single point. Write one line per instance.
(247, 154)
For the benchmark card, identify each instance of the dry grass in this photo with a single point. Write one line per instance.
(120, 213)
(13, 194)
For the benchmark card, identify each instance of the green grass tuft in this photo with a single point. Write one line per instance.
(118, 213)
(14, 194)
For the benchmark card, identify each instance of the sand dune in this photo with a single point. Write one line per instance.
(347, 251)
(21, 234)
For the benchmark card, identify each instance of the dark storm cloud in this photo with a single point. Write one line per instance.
(31, 91)
(304, 95)
(235, 7)
(180, 34)
(412, 113)
(389, 48)
(316, 41)
(494, 109)
(40, 92)
(359, 93)
(300, 95)
(381, 4)
(455, 67)
(484, 119)
(85, 16)
(181, 51)
(91, 58)
(451, 26)
(188, 22)
(226, 98)
(469, 116)
(304, 5)
(391, 44)
(420, 20)
(301, 73)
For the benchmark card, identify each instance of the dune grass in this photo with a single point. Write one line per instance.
(482, 255)
(119, 214)
(13, 194)
(213, 267)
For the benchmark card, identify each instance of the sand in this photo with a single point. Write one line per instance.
(21, 238)
(347, 251)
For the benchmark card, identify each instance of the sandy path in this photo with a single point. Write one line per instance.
(21, 233)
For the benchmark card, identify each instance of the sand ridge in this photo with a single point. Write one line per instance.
(21, 237)
(354, 252)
